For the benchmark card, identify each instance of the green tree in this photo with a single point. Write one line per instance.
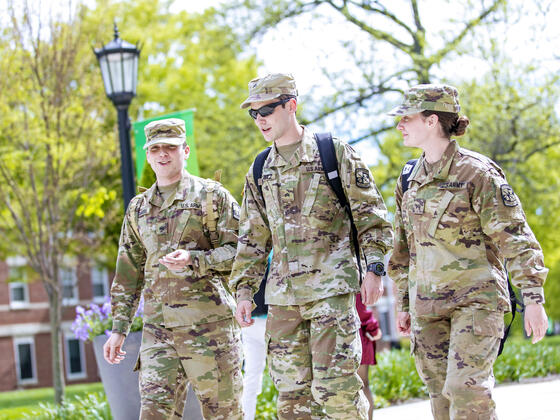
(190, 61)
(56, 152)
(384, 45)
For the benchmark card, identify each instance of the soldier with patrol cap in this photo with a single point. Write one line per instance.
(177, 246)
(314, 349)
(458, 226)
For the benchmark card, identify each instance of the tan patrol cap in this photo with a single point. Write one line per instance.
(269, 87)
(428, 97)
(168, 131)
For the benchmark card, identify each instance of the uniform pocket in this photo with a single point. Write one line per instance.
(442, 206)
(488, 323)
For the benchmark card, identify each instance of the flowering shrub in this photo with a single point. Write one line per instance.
(97, 320)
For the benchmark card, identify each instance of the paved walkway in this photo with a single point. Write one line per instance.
(527, 401)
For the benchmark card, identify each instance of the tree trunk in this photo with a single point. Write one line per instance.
(55, 313)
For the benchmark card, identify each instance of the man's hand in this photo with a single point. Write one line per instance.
(536, 321)
(177, 260)
(372, 288)
(403, 323)
(243, 313)
(112, 349)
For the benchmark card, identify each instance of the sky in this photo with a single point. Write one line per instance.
(302, 47)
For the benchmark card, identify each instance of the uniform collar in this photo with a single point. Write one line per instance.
(304, 153)
(157, 200)
(441, 170)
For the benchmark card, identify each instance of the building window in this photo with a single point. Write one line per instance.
(19, 295)
(19, 292)
(25, 360)
(75, 363)
(99, 284)
(69, 286)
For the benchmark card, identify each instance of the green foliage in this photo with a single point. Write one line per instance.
(31, 398)
(521, 360)
(91, 406)
(266, 400)
(395, 379)
(189, 61)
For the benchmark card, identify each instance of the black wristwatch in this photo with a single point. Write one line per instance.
(377, 268)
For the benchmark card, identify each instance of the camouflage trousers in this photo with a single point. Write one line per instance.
(209, 356)
(454, 356)
(314, 351)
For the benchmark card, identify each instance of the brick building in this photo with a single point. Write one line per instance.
(25, 340)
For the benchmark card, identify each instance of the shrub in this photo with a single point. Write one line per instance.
(91, 407)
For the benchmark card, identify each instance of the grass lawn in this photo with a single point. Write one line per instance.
(14, 404)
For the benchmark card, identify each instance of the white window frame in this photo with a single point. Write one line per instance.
(19, 304)
(31, 341)
(74, 375)
(75, 298)
(98, 272)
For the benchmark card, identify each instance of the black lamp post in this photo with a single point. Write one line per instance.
(119, 68)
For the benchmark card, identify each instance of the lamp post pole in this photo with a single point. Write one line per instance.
(118, 61)
(127, 173)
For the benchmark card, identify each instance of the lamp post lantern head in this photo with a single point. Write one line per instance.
(119, 68)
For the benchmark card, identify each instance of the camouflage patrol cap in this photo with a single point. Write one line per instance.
(269, 87)
(168, 131)
(429, 97)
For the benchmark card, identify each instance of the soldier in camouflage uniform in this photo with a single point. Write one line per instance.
(314, 349)
(177, 245)
(455, 227)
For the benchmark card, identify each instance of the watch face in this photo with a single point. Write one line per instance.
(377, 268)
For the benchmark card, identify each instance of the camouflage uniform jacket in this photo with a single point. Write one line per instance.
(308, 230)
(153, 228)
(454, 228)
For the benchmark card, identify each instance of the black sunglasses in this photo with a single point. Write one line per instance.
(265, 111)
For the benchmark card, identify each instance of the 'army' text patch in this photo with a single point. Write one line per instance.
(362, 178)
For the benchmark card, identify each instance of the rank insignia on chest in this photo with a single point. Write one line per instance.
(508, 196)
(162, 229)
(362, 178)
(418, 206)
(235, 210)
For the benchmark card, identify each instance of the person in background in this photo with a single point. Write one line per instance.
(254, 350)
(369, 334)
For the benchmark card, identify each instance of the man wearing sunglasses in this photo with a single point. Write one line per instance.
(314, 349)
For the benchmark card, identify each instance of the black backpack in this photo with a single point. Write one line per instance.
(330, 167)
(405, 174)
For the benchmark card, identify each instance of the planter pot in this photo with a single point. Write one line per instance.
(121, 381)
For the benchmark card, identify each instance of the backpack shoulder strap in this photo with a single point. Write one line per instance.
(330, 165)
(405, 173)
(258, 169)
(329, 161)
(514, 302)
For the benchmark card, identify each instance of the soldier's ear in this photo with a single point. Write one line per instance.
(187, 151)
(432, 120)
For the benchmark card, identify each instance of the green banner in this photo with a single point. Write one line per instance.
(140, 140)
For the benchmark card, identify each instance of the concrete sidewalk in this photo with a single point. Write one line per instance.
(526, 401)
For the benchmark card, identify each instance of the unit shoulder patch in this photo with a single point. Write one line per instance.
(362, 178)
(508, 196)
